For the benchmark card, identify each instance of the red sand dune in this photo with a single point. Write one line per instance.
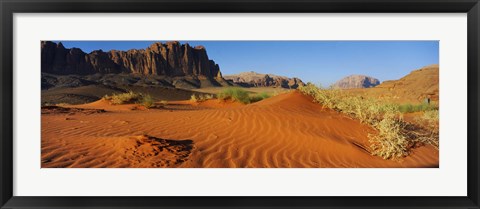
(287, 130)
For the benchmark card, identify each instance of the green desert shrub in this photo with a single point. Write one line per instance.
(259, 97)
(264, 95)
(392, 140)
(236, 94)
(406, 108)
(240, 95)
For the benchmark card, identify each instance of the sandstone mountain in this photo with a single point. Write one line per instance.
(414, 87)
(417, 85)
(356, 81)
(253, 79)
(169, 59)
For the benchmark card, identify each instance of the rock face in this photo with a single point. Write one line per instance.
(170, 59)
(356, 81)
(253, 79)
(416, 86)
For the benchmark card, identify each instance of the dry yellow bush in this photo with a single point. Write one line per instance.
(393, 139)
(131, 97)
(123, 98)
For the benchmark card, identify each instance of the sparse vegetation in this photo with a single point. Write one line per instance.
(393, 139)
(390, 142)
(264, 95)
(200, 97)
(275, 93)
(147, 101)
(206, 96)
(431, 119)
(194, 98)
(406, 108)
(131, 97)
(259, 97)
(240, 95)
(124, 98)
(62, 104)
(163, 102)
(236, 94)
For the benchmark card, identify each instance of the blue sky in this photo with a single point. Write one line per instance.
(320, 62)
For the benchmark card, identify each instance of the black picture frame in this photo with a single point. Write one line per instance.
(9, 7)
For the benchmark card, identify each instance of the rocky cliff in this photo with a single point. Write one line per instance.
(356, 81)
(169, 59)
(253, 79)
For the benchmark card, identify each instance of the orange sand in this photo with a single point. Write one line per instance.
(288, 130)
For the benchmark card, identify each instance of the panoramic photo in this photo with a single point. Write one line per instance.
(239, 104)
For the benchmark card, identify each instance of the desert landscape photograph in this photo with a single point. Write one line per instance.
(239, 104)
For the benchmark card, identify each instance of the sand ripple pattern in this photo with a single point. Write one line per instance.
(286, 131)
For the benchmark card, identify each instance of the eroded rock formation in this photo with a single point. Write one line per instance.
(170, 59)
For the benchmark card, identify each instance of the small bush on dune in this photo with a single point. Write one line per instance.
(194, 98)
(205, 97)
(327, 97)
(209, 96)
(431, 119)
(240, 95)
(63, 104)
(163, 102)
(392, 140)
(123, 98)
(131, 97)
(200, 97)
(147, 101)
(236, 94)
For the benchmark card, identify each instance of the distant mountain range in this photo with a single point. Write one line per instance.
(254, 79)
(356, 81)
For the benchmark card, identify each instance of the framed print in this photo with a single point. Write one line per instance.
(239, 104)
